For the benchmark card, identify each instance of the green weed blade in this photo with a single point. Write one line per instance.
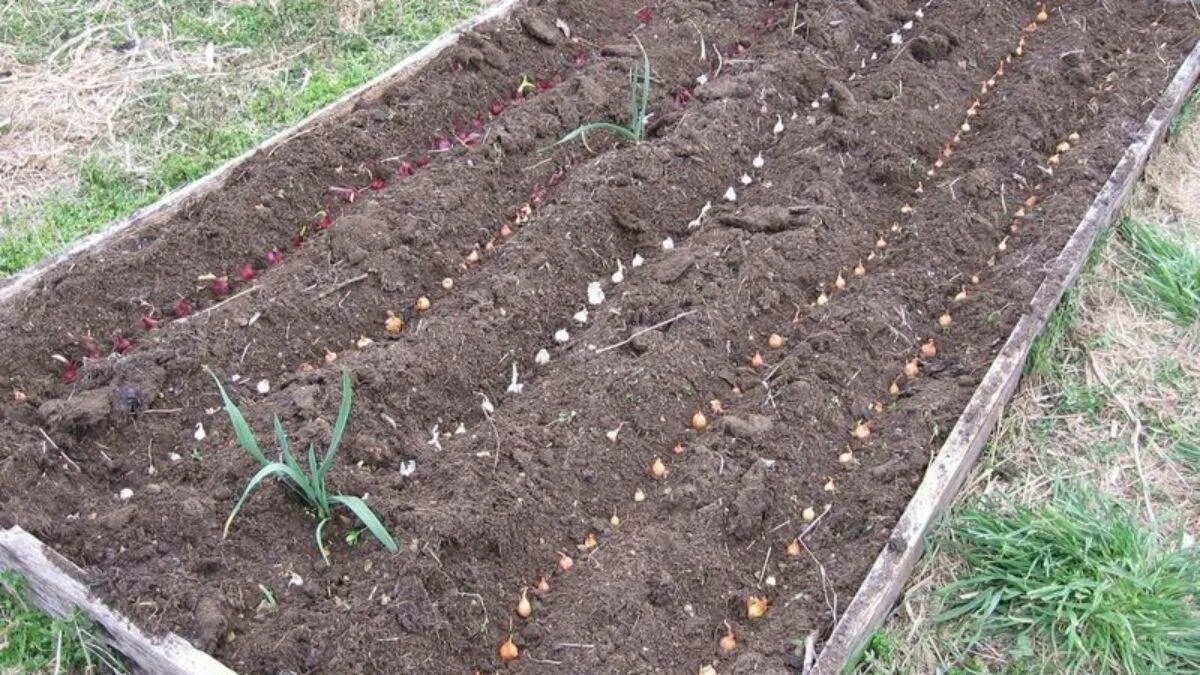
(271, 469)
(1170, 275)
(595, 126)
(304, 486)
(241, 428)
(281, 436)
(339, 427)
(638, 121)
(368, 518)
(318, 484)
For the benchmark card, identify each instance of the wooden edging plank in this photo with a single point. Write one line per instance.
(54, 585)
(946, 474)
(174, 202)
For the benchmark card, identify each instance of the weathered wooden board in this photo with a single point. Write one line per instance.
(56, 585)
(180, 199)
(945, 475)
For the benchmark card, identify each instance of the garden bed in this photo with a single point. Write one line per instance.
(838, 215)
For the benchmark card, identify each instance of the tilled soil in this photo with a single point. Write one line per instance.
(790, 194)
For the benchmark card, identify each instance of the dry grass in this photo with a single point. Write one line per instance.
(1115, 407)
(63, 105)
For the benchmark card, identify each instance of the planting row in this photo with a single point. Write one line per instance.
(501, 156)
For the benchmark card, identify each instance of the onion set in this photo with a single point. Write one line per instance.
(524, 609)
(728, 642)
(658, 469)
(756, 607)
(508, 650)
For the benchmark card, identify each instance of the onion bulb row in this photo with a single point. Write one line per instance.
(758, 606)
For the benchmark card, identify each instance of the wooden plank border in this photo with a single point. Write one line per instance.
(946, 474)
(176, 201)
(57, 586)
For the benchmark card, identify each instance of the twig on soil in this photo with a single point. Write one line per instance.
(482, 605)
(813, 524)
(826, 589)
(206, 310)
(535, 166)
(766, 383)
(766, 560)
(573, 645)
(340, 286)
(549, 661)
(1135, 441)
(703, 45)
(643, 331)
(60, 450)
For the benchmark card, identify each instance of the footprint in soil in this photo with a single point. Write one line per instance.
(751, 503)
(210, 621)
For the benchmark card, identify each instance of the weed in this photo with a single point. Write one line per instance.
(268, 601)
(1170, 271)
(1171, 374)
(31, 641)
(639, 98)
(1187, 114)
(1079, 399)
(1079, 577)
(1188, 451)
(1044, 356)
(879, 656)
(311, 486)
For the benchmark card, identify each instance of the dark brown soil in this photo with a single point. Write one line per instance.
(489, 508)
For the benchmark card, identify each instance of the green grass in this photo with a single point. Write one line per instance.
(1077, 585)
(295, 58)
(1045, 356)
(33, 642)
(1187, 114)
(879, 656)
(1080, 399)
(1188, 452)
(105, 193)
(1170, 273)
